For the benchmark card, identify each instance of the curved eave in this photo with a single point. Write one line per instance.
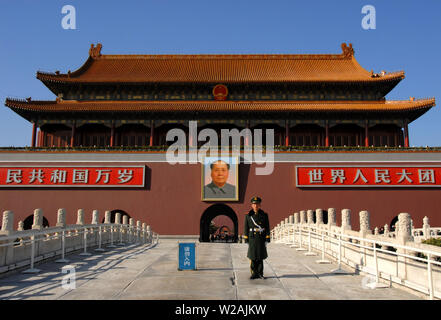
(64, 80)
(218, 106)
(227, 69)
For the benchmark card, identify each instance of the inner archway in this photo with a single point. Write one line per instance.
(218, 209)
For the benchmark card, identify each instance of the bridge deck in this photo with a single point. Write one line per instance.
(135, 272)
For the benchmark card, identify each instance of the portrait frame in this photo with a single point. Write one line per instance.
(232, 181)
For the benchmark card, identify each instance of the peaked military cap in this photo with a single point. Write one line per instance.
(256, 200)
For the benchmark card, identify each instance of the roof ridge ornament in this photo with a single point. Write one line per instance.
(95, 52)
(348, 51)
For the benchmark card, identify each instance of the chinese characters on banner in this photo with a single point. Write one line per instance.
(187, 256)
(368, 176)
(72, 176)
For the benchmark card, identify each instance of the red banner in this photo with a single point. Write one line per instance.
(36, 176)
(351, 176)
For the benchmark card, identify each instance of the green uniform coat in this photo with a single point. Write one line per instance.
(256, 240)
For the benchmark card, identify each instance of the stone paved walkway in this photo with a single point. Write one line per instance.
(135, 272)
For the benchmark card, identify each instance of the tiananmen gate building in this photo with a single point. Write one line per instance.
(101, 144)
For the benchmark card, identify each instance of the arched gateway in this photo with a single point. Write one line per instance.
(210, 213)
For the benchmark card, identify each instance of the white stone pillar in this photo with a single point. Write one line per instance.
(404, 228)
(95, 217)
(117, 218)
(125, 219)
(291, 219)
(80, 217)
(302, 216)
(319, 216)
(7, 223)
(107, 217)
(38, 219)
(20, 226)
(310, 216)
(296, 218)
(286, 220)
(332, 217)
(149, 233)
(365, 224)
(426, 228)
(346, 219)
(403, 234)
(61, 218)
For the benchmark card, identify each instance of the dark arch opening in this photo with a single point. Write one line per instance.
(393, 223)
(29, 221)
(113, 213)
(212, 212)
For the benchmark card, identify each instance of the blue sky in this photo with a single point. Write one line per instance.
(407, 37)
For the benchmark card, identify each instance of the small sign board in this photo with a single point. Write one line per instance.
(187, 256)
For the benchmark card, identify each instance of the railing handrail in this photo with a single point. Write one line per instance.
(385, 243)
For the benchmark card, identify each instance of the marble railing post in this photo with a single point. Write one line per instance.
(7, 229)
(319, 217)
(302, 216)
(144, 233)
(404, 228)
(107, 217)
(117, 218)
(95, 217)
(386, 236)
(403, 235)
(80, 217)
(346, 220)
(138, 230)
(365, 224)
(296, 218)
(20, 227)
(291, 219)
(61, 218)
(365, 228)
(38, 220)
(131, 231)
(7, 223)
(332, 218)
(149, 234)
(310, 216)
(426, 228)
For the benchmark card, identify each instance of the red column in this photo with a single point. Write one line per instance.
(152, 131)
(366, 134)
(72, 135)
(38, 138)
(34, 134)
(112, 135)
(327, 134)
(406, 134)
(286, 133)
(247, 138)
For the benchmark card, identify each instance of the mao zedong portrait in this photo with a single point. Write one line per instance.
(219, 188)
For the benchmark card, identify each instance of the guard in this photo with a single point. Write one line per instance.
(256, 234)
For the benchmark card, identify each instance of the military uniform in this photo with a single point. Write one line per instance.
(211, 190)
(256, 234)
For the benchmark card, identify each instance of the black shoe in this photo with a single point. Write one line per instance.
(253, 277)
(261, 276)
